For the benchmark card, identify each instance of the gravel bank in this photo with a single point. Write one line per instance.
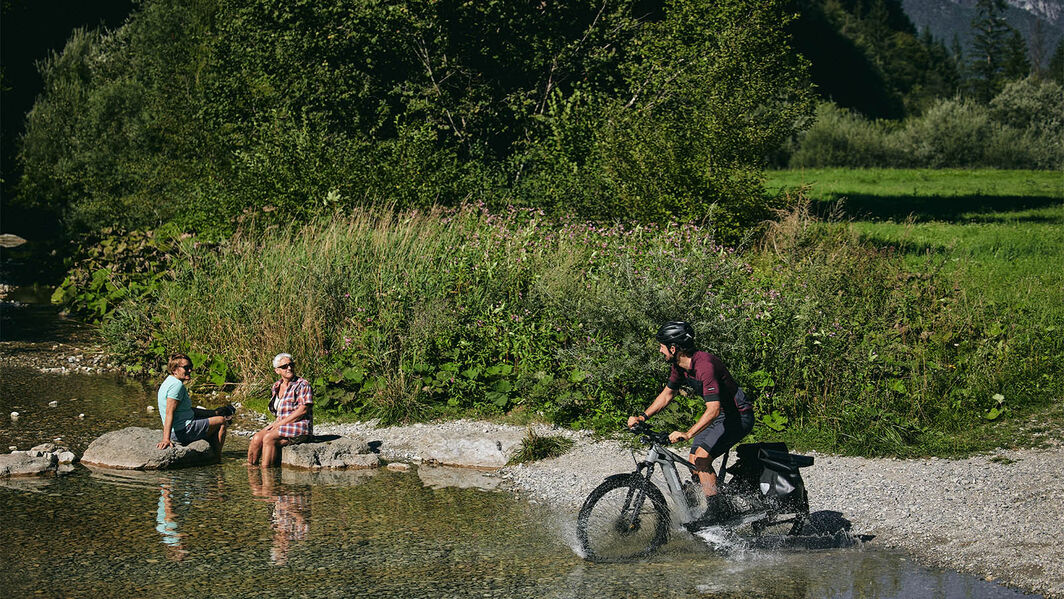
(999, 516)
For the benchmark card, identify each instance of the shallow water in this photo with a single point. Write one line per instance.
(229, 531)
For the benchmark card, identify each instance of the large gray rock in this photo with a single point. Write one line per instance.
(439, 477)
(24, 464)
(467, 452)
(330, 452)
(133, 448)
(461, 443)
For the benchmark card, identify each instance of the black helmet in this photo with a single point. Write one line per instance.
(678, 333)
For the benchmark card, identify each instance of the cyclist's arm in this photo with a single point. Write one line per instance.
(656, 406)
(711, 413)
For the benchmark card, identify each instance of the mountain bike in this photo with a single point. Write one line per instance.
(627, 517)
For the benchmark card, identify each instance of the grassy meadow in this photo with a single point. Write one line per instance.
(1000, 234)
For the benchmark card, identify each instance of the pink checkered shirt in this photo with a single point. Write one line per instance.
(297, 394)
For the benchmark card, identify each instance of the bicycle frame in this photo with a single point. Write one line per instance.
(667, 461)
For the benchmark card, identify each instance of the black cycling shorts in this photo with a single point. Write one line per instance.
(722, 433)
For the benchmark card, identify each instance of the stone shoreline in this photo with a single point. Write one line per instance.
(998, 516)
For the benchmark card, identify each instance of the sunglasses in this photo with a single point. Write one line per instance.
(187, 368)
(287, 366)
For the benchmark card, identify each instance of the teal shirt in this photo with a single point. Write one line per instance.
(172, 387)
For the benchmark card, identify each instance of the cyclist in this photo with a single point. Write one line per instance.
(729, 414)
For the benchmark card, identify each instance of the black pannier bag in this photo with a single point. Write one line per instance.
(773, 471)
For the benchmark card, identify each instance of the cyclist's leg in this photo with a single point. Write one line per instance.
(703, 451)
(707, 477)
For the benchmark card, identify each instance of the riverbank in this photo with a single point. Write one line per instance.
(997, 516)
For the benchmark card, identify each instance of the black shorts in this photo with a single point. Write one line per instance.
(722, 433)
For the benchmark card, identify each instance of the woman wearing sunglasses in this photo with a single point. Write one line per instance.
(292, 403)
(183, 423)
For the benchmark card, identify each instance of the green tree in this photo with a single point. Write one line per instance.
(204, 112)
(995, 54)
(1055, 70)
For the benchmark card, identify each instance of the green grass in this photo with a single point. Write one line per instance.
(953, 195)
(830, 183)
(1000, 232)
(876, 337)
(1008, 239)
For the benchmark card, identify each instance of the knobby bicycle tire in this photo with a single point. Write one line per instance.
(607, 532)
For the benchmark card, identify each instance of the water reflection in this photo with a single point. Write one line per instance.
(290, 515)
(166, 520)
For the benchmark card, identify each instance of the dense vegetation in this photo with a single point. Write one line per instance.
(450, 209)
(1022, 127)
(195, 112)
(407, 316)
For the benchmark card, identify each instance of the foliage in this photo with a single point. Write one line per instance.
(411, 315)
(1020, 128)
(999, 53)
(203, 113)
(536, 447)
(116, 267)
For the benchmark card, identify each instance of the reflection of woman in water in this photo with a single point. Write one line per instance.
(290, 519)
(166, 520)
(177, 493)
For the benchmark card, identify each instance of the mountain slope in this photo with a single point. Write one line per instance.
(1041, 22)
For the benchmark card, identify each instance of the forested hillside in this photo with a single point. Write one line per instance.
(198, 112)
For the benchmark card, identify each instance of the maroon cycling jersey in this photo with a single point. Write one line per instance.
(709, 378)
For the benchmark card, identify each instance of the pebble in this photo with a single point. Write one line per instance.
(14, 415)
(81, 415)
(53, 404)
(151, 408)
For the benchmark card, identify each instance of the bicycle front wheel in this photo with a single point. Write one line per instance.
(622, 519)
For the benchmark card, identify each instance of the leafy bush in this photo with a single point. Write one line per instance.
(840, 137)
(412, 315)
(1020, 128)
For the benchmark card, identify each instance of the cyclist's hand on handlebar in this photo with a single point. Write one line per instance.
(677, 436)
(633, 420)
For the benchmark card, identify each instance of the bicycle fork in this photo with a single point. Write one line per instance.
(636, 497)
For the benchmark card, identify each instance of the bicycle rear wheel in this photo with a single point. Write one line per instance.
(622, 519)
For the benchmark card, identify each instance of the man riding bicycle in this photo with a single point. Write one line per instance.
(729, 414)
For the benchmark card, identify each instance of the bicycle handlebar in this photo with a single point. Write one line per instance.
(650, 435)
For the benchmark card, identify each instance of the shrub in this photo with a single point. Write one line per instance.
(536, 447)
(1021, 128)
(412, 315)
(840, 137)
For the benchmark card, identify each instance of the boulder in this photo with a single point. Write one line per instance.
(330, 452)
(24, 464)
(463, 444)
(439, 477)
(133, 448)
(475, 452)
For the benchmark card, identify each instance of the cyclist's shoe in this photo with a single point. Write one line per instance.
(227, 411)
(718, 512)
(693, 493)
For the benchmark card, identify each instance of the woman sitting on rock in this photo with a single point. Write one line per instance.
(292, 403)
(181, 422)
